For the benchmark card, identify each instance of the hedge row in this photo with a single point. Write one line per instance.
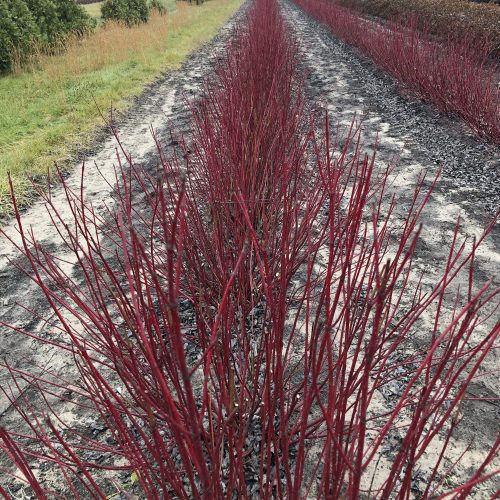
(131, 12)
(26, 25)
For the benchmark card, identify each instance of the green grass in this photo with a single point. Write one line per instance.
(49, 113)
(94, 10)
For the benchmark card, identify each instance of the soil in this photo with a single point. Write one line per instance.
(344, 84)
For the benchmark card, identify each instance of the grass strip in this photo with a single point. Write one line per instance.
(94, 9)
(48, 112)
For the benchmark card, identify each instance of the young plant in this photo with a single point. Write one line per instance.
(235, 318)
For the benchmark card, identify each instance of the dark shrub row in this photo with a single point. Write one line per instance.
(26, 26)
(443, 18)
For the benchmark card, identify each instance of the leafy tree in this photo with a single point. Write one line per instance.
(25, 24)
(45, 15)
(73, 17)
(128, 11)
(18, 32)
(56, 18)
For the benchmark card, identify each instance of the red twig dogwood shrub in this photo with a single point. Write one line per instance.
(235, 320)
(455, 76)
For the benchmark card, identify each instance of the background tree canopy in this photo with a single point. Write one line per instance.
(42, 24)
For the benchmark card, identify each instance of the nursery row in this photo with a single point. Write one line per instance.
(456, 76)
(444, 18)
(234, 320)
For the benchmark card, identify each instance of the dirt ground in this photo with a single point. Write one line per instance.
(344, 84)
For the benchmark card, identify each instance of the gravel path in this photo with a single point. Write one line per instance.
(347, 83)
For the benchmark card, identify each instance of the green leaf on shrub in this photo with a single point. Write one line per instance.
(130, 12)
(29, 24)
